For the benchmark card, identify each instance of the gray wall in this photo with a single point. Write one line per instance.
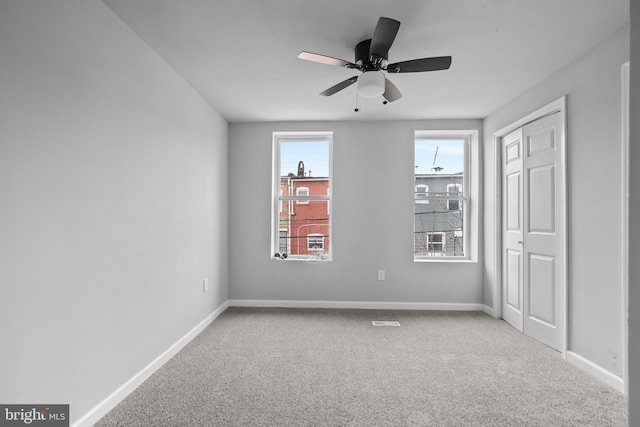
(113, 190)
(372, 220)
(634, 222)
(594, 145)
(114, 185)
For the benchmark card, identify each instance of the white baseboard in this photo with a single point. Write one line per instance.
(489, 310)
(596, 371)
(102, 408)
(357, 305)
(123, 391)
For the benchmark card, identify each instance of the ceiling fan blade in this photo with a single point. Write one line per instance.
(324, 59)
(383, 37)
(340, 86)
(418, 65)
(391, 92)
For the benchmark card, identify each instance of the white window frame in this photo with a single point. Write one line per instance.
(328, 204)
(277, 197)
(470, 196)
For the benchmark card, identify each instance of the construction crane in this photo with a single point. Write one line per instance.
(433, 166)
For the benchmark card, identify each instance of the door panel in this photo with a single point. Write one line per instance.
(542, 284)
(541, 141)
(513, 151)
(513, 202)
(512, 273)
(542, 191)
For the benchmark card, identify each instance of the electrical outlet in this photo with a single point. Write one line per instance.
(616, 367)
(614, 358)
(380, 274)
(205, 285)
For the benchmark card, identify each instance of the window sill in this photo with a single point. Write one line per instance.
(456, 260)
(311, 259)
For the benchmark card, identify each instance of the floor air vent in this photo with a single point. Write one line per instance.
(385, 323)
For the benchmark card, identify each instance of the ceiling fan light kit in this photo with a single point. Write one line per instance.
(371, 84)
(371, 58)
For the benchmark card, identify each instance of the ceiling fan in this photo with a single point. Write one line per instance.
(371, 58)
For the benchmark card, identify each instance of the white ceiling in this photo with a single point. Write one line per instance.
(241, 55)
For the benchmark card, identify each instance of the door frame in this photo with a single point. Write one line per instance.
(557, 106)
(625, 223)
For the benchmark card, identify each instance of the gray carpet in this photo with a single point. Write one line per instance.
(316, 367)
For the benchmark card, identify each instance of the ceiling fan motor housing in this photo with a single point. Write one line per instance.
(362, 52)
(367, 61)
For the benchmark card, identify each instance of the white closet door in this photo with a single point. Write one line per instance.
(512, 229)
(534, 259)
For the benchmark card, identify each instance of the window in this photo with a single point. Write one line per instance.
(441, 196)
(301, 218)
(302, 191)
(435, 243)
(422, 190)
(315, 242)
(454, 191)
